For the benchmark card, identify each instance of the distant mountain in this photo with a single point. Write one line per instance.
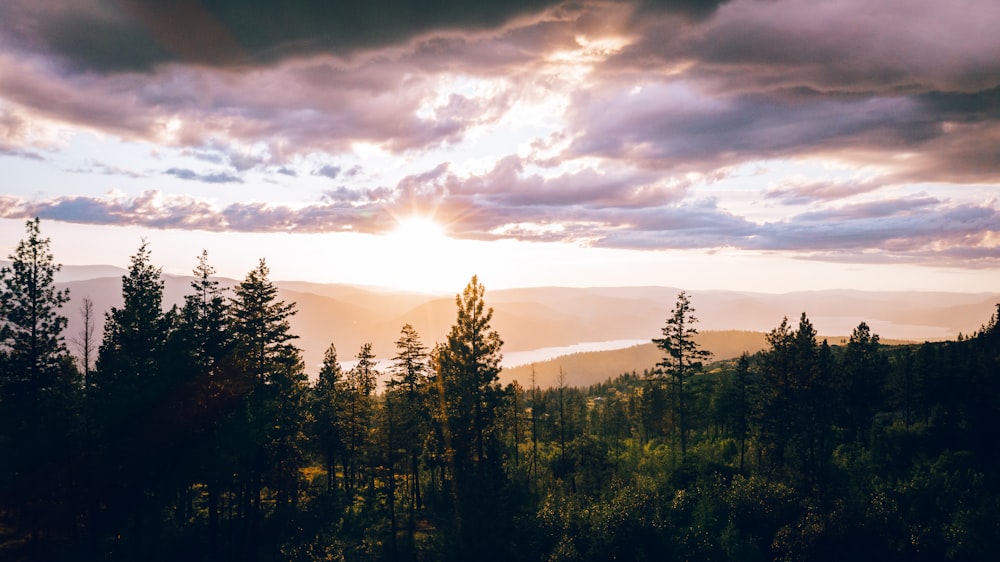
(543, 317)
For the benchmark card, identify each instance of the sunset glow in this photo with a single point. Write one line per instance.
(545, 145)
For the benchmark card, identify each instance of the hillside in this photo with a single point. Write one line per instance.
(587, 368)
(583, 369)
(543, 317)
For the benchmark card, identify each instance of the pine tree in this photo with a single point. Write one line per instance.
(135, 337)
(406, 397)
(273, 421)
(260, 324)
(361, 383)
(208, 389)
(861, 385)
(31, 329)
(327, 406)
(130, 408)
(682, 360)
(38, 383)
(468, 364)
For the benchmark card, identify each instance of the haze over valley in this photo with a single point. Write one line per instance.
(540, 323)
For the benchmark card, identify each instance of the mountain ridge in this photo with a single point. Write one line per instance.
(532, 318)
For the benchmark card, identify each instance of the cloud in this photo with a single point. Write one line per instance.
(723, 86)
(797, 191)
(853, 46)
(327, 171)
(158, 210)
(627, 106)
(191, 175)
(19, 152)
(96, 167)
(901, 227)
(908, 230)
(675, 125)
(138, 35)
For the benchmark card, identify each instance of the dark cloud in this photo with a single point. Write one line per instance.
(890, 47)
(790, 78)
(678, 125)
(191, 175)
(130, 35)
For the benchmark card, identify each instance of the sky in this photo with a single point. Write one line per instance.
(764, 145)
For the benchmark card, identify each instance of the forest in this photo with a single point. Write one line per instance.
(193, 433)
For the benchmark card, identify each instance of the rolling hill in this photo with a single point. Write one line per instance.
(544, 317)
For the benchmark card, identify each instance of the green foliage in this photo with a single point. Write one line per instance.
(203, 441)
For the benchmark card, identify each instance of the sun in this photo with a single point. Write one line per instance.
(418, 231)
(421, 248)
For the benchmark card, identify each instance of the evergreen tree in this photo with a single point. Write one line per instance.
(38, 383)
(260, 324)
(682, 360)
(31, 329)
(208, 389)
(743, 404)
(135, 337)
(777, 395)
(360, 412)
(328, 405)
(406, 399)
(468, 366)
(130, 406)
(863, 367)
(273, 421)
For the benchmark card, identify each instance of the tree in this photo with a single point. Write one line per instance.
(38, 384)
(135, 337)
(130, 413)
(273, 422)
(468, 365)
(207, 389)
(361, 383)
(406, 400)
(260, 324)
(742, 406)
(327, 406)
(861, 385)
(31, 329)
(682, 359)
(84, 341)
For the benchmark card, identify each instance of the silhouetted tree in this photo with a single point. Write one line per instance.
(208, 391)
(360, 417)
(38, 383)
(129, 406)
(407, 399)
(273, 419)
(863, 371)
(328, 410)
